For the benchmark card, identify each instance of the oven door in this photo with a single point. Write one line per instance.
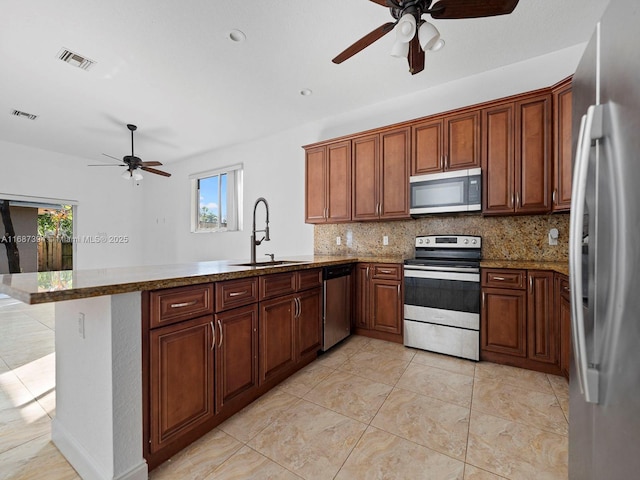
(443, 296)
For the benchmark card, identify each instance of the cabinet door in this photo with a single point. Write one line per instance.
(365, 178)
(533, 155)
(427, 155)
(394, 174)
(540, 318)
(562, 151)
(339, 182)
(315, 185)
(498, 167)
(462, 141)
(181, 380)
(563, 315)
(362, 296)
(236, 354)
(309, 323)
(277, 334)
(386, 306)
(503, 321)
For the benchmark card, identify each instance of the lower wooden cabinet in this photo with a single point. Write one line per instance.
(563, 314)
(236, 357)
(519, 325)
(290, 332)
(181, 380)
(379, 301)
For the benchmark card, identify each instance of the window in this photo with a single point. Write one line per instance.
(216, 200)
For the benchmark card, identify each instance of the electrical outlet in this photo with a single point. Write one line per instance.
(338, 241)
(553, 236)
(81, 324)
(385, 240)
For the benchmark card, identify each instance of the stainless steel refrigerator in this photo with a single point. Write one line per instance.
(604, 409)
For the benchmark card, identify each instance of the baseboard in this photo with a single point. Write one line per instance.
(82, 461)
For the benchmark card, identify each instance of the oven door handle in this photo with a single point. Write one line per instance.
(442, 275)
(424, 268)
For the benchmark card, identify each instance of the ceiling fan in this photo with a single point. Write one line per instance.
(134, 163)
(415, 35)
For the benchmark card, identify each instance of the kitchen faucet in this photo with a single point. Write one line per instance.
(255, 242)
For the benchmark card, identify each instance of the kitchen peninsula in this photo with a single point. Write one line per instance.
(100, 388)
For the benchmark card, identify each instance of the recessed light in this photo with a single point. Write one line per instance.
(305, 92)
(237, 35)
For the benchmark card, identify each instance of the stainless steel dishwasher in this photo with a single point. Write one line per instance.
(336, 305)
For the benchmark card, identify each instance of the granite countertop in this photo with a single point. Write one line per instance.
(559, 267)
(47, 287)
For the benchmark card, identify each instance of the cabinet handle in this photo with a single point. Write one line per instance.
(501, 279)
(235, 294)
(184, 304)
(513, 199)
(299, 307)
(483, 298)
(566, 289)
(553, 196)
(530, 282)
(446, 160)
(367, 274)
(398, 290)
(441, 162)
(213, 332)
(386, 271)
(517, 199)
(221, 334)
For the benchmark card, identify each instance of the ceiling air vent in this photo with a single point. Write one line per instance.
(75, 59)
(18, 113)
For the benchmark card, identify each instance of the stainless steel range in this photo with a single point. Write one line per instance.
(442, 295)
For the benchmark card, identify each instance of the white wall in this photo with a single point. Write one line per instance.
(274, 166)
(106, 203)
(155, 216)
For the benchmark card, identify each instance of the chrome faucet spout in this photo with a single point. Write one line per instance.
(266, 237)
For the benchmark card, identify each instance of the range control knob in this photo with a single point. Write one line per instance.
(420, 241)
(474, 241)
(427, 241)
(466, 241)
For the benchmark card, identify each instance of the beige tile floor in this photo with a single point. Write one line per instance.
(365, 410)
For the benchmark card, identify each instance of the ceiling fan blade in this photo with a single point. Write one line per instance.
(449, 9)
(364, 42)
(110, 156)
(157, 172)
(150, 164)
(108, 165)
(380, 2)
(416, 56)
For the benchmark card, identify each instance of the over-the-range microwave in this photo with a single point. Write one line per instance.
(455, 191)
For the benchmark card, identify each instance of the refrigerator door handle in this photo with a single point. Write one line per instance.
(587, 375)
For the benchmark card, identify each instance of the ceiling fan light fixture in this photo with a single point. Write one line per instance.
(400, 49)
(437, 46)
(137, 176)
(126, 174)
(428, 35)
(406, 28)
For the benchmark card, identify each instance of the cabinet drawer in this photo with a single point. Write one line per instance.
(307, 279)
(386, 271)
(236, 293)
(277, 284)
(182, 303)
(504, 278)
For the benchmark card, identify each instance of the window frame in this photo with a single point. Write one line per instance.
(234, 198)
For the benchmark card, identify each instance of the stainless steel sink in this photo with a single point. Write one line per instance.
(268, 263)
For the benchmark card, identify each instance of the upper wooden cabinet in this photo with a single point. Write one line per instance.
(380, 170)
(328, 183)
(562, 141)
(446, 143)
(516, 156)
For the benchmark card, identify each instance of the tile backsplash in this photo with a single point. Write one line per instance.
(503, 238)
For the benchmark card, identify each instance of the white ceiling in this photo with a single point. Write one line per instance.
(169, 67)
